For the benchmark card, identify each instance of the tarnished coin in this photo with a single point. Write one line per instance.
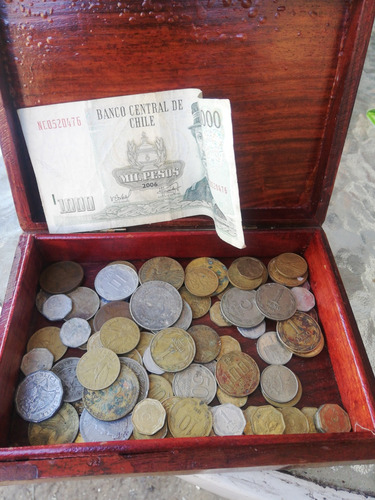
(65, 369)
(247, 273)
(279, 383)
(228, 344)
(148, 416)
(186, 316)
(248, 414)
(85, 303)
(214, 265)
(160, 388)
(277, 277)
(237, 374)
(124, 262)
(49, 338)
(56, 307)
(150, 364)
(250, 267)
(275, 301)
(144, 342)
(272, 351)
(196, 381)
(135, 356)
(305, 300)
(161, 434)
(292, 402)
(40, 299)
(59, 429)
(225, 398)
(295, 421)
(228, 420)
(207, 343)
(267, 420)
(239, 308)
(300, 333)
(39, 396)
(253, 333)
(115, 309)
(93, 429)
(291, 265)
(190, 417)
(332, 418)
(98, 369)
(201, 281)
(61, 277)
(121, 335)
(169, 403)
(216, 315)
(75, 332)
(115, 401)
(142, 376)
(199, 305)
(173, 349)
(39, 358)
(116, 282)
(94, 341)
(309, 412)
(155, 305)
(162, 269)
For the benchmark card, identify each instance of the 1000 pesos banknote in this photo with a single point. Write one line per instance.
(125, 161)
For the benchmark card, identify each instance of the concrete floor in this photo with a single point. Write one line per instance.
(350, 227)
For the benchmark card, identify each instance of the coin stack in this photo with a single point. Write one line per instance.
(153, 369)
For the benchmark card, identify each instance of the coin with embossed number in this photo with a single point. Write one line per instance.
(228, 420)
(75, 332)
(60, 429)
(93, 429)
(61, 277)
(155, 305)
(173, 349)
(98, 368)
(237, 374)
(116, 282)
(275, 301)
(190, 417)
(65, 369)
(196, 381)
(239, 308)
(39, 396)
(56, 307)
(85, 303)
(160, 388)
(162, 269)
(39, 358)
(301, 334)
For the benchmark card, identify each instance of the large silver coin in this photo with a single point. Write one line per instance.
(85, 303)
(239, 308)
(279, 383)
(66, 371)
(142, 376)
(56, 307)
(116, 282)
(75, 332)
(39, 396)
(156, 305)
(228, 420)
(92, 429)
(275, 301)
(196, 381)
(271, 350)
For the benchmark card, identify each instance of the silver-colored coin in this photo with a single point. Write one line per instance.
(228, 420)
(85, 303)
(56, 307)
(253, 333)
(156, 305)
(66, 371)
(40, 299)
(279, 383)
(196, 381)
(39, 396)
(75, 332)
(150, 364)
(271, 350)
(275, 301)
(116, 282)
(212, 367)
(239, 308)
(305, 299)
(38, 358)
(92, 429)
(186, 317)
(142, 376)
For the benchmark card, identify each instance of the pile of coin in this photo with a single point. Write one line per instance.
(151, 369)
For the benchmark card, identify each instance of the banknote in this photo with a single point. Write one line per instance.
(130, 160)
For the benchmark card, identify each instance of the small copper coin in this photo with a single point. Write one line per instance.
(277, 277)
(275, 301)
(237, 374)
(247, 273)
(201, 281)
(61, 277)
(162, 269)
(48, 337)
(332, 418)
(291, 265)
(199, 305)
(215, 265)
(207, 343)
(301, 334)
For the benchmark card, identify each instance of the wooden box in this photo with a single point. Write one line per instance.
(291, 71)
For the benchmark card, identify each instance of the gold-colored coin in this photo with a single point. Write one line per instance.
(144, 342)
(158, 435)
(267, 420)
(169, 403)
(237, 374)
(228, 344)
(309, 412)
(121, 335)
(190, 417)
(291, 265)
(79, 438)
(214, 265)
(162, 269)
(94, 342)
(255, 273)
(199, 305)
(295, 421)
(248, 414)
(277, 277)
(250, 267)
(292, 402)
(225, 398)
(124, 263)
(148, 416)
(207, 343)
(201, 281)
(48, 337)
(61, 277)
(59, 429)
(216, 315)
(168, 376)
(78, 406)
(134, 354)
(172, 349)
(301, 334)
(98, 368)
(160, 388)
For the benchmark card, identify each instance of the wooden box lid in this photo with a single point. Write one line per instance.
(290, 69)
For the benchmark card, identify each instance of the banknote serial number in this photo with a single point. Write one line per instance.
(56, 123)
